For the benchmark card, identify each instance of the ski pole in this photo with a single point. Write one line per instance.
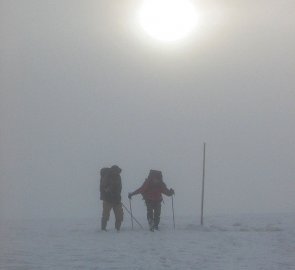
(173, 212)
(132, 215)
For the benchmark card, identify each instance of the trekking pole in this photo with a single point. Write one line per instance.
(132, 216)
(173, 212)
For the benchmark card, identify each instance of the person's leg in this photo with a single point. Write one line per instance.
(118, 211)
(150, 214)
(106, 209)
(157, 214)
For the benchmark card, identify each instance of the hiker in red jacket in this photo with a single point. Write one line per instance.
(152, 190)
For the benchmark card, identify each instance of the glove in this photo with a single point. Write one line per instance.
(172, 191)
(129, 195)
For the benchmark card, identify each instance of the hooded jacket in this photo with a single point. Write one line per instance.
(152, 191)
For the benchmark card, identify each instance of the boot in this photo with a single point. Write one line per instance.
(118, 225)
(151, 224)
(156, 224)
(103, 224)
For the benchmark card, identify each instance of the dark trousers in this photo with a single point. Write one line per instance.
(153, 212)
(118, 211)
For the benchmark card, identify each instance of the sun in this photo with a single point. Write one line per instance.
(168, 20)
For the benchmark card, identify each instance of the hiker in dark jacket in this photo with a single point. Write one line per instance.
(110, 194)
(152, 190)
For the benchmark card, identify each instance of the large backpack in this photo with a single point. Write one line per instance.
(155, 174)
(103, 182)
(111, 185)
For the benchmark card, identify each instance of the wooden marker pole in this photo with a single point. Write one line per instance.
(203, 185)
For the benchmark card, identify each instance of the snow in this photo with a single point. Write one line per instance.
(253, 242)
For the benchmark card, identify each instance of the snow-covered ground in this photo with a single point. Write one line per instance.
(253, 242)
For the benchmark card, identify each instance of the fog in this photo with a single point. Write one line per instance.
(82, 87)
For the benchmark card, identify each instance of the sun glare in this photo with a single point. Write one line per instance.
(168, 20)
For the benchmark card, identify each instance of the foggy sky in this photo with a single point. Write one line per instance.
(81, 87)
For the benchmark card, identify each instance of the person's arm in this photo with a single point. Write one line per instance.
(139, 190)
(166, 191)
(116, 185)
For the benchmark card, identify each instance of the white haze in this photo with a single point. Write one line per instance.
(81, 88)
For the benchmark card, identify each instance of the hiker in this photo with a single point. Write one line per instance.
(110, 194)
(152, 190)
